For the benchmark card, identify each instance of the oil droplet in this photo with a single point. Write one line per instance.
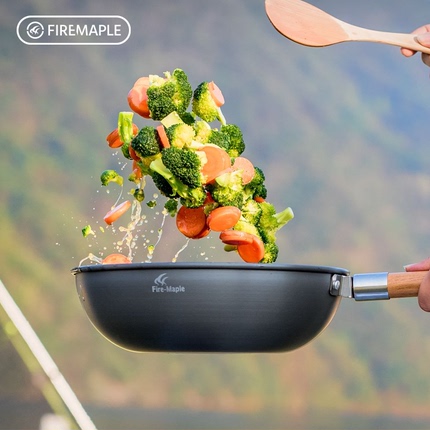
(175, 258)
(92, 258)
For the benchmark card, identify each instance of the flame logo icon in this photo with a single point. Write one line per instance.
(35, 30)
(160, 281)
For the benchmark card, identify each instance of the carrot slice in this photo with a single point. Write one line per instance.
(203, 233)
(133, 154)
(253, 252)
(163, 136)
(216, 94)
(217, 162)
(135, 129)
(143, 81)
(209, 199)
(116, 259)
(191, 221)
(136, 170)
(113, 139)
(116, 212)
(223, 218)
(247, 168)
(236, 237)
(138, 100)
(259, 199)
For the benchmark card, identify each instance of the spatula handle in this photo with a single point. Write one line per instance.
(405, 284)
(402, 40)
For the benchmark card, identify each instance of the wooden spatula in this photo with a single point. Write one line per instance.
(306, 24)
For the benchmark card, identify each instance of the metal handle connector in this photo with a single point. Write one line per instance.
(361, 287)
(370, 286)
(341, 285)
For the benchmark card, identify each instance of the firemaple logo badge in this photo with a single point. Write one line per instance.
(73, 30)
(161, 286)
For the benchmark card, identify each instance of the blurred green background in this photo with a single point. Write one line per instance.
(342, 134)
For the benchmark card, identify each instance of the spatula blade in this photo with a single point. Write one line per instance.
(304, 23)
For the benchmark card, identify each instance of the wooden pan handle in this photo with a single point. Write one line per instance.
(405, 284)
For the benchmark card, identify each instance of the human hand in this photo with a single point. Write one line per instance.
(424, 292)
(423, 37)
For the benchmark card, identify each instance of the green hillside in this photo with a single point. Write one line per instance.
(341, 133)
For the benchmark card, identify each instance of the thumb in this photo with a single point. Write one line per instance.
(424, 39)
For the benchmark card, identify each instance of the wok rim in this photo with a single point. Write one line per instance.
(211, 266)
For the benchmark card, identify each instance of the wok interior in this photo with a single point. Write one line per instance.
(208, 307)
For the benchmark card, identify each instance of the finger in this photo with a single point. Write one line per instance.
(426, 59)
(407, 52)
(422, 29)
(415, 267)
(424, 294)
(421, 39)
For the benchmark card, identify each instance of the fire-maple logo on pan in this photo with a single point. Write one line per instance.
(73, 30)
(161, 286)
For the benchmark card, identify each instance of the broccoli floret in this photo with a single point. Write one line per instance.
(237, 144)
(260, 191)
(220, 139)
(139, 194)
(270, 221)
(190, 197)
(111, 176)
(188, 118)
(87, 230)
(251, 211)
(202, 131)
(194, 198)
(145, 164)
(247, 227)
(271, 251)
(204, 105)
(268, 224)
(184, 164)
(180, 135)
(171, 206)
(227, 189)
(168, 94)
(205, 134)
(163, 185)
(147, 142)
(134, 177)
(256, 187)
(258, 178)
(125, 150)
(283, 217)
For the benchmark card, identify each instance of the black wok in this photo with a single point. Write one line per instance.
(211, 307)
